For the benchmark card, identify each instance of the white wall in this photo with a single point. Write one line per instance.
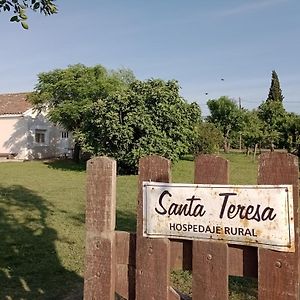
(17, 135)
(13, 138)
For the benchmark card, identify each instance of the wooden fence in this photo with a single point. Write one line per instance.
(135, 267)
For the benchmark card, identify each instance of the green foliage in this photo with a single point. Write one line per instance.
(275, 93)
(123, 75)
(207, 139)
(291, 133)
(76, 84)
(272, 114)
(148, 118)
(252, 132)
(67, 94)
(18, 8)
(110, 113)
(227, 116)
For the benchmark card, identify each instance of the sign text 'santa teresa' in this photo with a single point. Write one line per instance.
(260, 215)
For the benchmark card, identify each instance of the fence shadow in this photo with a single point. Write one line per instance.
(244, 287)
(126, 221)
(29, 265)
(66, 165)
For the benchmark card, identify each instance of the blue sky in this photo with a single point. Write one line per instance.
(196, 42)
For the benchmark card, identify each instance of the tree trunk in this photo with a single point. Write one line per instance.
(255, 151)
(240, 142)
(248, 151)
(76, 152)
(290, 144)
(226, 143)
(259, 147)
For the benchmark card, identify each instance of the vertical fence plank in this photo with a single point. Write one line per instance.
(100, 260)
(210, 259)
(153, 255)
(278, 272)
(125, 256)
(181, 254)
(243, 261)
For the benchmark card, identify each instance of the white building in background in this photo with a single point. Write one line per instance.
(26, 134)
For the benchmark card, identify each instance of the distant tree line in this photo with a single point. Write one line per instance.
(269, 126)
(112, 113)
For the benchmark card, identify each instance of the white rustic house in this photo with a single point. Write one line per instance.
(26, 134)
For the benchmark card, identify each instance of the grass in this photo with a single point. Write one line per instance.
(42, 218)
(243, 169)
(240, 288)
(42, 222)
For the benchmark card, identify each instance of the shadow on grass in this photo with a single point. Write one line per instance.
(78, 219)
(29, 265)
(243, 288)
(187, 157)
(126, 221)
(66, 165)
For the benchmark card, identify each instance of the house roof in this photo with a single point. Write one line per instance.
(14, 103)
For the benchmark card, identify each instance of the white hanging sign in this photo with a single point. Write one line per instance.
(255, 215)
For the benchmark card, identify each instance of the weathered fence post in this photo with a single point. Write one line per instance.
(153, 255)
(100, 260)
(278, 272)
(210, 259)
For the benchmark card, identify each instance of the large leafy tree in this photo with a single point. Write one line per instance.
(68, 93)
(291, 133)
(207, 139)
(18, 9)
(227, 116)
(148, 118)
(252, 132)
(272, 114)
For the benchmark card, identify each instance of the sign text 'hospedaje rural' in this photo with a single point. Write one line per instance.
(257, 215)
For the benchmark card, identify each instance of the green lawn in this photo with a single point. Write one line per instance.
(42, 218)
(42, 222)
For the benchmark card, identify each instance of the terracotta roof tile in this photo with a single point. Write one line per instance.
(14, 103)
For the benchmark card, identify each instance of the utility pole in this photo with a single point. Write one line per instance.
(240, 107)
